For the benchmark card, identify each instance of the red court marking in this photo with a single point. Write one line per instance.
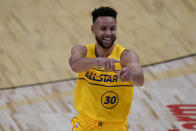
(184, 112)
(189, 126)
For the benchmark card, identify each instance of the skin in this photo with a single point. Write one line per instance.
(104, 30)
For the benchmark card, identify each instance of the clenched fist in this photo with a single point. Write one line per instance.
(124, 74)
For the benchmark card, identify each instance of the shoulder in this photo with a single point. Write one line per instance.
(79, 49)
(128, 52)
(129, 56)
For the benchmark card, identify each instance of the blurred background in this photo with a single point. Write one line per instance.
(36, 37)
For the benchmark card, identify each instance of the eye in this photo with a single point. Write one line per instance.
(113, 28)
(103, 28)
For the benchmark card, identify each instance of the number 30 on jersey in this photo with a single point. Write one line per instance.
(109, 99)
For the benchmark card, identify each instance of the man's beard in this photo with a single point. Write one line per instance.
(102, 44)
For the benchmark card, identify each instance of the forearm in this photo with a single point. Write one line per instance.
(136, 76)
(137, 79)
(82, 64)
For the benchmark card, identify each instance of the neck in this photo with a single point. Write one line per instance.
(101, 52)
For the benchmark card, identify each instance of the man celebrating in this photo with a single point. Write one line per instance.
(107, 73)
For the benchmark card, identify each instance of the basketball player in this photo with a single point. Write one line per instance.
(107, 73)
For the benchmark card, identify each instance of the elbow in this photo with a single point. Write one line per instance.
(139, 84)
(139, 81)
(74, 69)
(73, 66)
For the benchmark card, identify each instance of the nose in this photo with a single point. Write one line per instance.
(108, 32)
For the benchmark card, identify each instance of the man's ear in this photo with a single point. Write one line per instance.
(93, 29)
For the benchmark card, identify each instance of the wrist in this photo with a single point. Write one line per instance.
(97, 63)
(94, 62)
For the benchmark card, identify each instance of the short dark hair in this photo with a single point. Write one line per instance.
(103, 11)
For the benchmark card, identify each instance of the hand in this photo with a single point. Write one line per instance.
(124, 74)
(107, 63)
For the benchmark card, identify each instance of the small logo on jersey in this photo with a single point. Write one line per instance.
(99, 67)
(109, 99)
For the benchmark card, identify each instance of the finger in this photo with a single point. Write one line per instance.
(111, 66)
(124, 77)
(122, 71)
(105, 65)
(108, 66)
(115, 61)
(99, 61)
(114, 67)
(124, 80)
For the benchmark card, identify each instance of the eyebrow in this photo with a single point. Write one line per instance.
(106, 25)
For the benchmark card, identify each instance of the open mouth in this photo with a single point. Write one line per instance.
(107, 39)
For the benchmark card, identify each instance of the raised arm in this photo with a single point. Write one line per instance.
(78, 61)
(131, 70)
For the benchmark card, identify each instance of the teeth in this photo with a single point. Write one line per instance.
(107, 38)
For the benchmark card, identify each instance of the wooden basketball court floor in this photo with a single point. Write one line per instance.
(36, 85)
(49, 107)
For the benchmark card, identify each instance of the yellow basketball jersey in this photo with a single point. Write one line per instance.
(101, 95)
